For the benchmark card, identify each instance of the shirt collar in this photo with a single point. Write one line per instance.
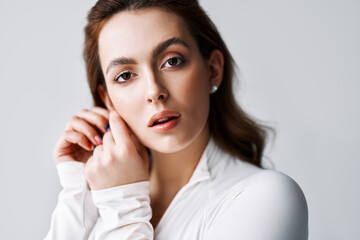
(202, 170)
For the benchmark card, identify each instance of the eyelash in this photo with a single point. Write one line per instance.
(117, 77)
(180, 62)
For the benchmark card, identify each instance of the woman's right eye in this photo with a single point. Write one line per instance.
(124, 76)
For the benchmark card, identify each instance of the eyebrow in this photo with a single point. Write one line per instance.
(167, 43)
(156, 52)
(119, 61)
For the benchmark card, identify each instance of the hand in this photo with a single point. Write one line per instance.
(120, 160)
(80, 135)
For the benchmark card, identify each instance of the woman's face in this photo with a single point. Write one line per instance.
(152, 65)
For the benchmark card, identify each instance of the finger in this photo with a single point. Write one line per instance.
(119, 129)
(79, 139)
(81, 126)
(136, 141)
(97, 150)
(108, 141)
(94, 118)
(139, 146)
(102, 111)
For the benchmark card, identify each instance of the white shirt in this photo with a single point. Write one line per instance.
(225, 198)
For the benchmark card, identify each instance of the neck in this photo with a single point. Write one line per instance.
(171, 171)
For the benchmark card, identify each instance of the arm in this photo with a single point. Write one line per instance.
(271, 207)
(75, 214)
(125, 212)
(118, 175)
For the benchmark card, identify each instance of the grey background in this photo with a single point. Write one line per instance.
(300, 72)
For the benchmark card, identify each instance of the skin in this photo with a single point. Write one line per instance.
(176, 79)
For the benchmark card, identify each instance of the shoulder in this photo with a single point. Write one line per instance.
(269, 202)
(232, 177)
(274, 182)
(271, 189)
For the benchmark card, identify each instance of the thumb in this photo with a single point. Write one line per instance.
(119, 129)
(136, 141)
(141, 149)
(139, 146)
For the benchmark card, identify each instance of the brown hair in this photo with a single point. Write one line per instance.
(233, 130)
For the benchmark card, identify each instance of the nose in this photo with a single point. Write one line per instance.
(155, 92)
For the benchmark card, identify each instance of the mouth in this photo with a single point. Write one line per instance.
(164, 120)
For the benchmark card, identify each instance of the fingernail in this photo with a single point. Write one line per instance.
(107, 127)
(98, 140)
(90, 146)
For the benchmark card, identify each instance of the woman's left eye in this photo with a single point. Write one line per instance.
(173, 62)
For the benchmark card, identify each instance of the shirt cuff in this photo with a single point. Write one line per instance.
(127, 191)
(125, 212)
(71, 174)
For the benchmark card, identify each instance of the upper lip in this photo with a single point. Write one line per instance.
(162, 114)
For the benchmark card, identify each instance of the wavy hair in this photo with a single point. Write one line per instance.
(233, 130)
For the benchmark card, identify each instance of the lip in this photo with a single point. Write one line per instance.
(167, 125)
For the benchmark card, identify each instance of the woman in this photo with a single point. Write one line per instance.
(166, 153)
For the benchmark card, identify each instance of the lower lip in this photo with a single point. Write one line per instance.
(162, 128)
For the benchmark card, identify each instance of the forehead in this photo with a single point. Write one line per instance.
(134, 33)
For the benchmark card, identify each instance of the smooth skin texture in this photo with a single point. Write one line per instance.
(145, 79)
(176, 79)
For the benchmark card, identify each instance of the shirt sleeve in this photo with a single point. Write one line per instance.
(125, 212)
(271, 207)
(75, 214)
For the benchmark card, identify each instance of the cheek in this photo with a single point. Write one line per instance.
(194, 83)
(127, 104)
(196, 93)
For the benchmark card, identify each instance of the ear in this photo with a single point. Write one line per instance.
(216, 63)
(105, 97)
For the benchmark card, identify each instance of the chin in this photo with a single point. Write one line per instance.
(169, 143)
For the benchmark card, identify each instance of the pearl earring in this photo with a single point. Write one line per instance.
(214, 88)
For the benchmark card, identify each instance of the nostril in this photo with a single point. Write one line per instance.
(160, 95)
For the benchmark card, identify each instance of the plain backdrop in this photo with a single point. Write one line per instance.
(299, 64)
